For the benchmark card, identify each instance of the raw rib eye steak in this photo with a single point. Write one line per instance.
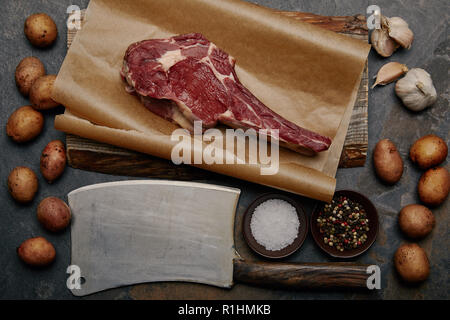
(197, 80)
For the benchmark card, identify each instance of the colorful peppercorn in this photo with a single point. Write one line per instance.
(343, 223)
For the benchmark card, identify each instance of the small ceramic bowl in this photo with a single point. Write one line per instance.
(261, 250)
(372, 215)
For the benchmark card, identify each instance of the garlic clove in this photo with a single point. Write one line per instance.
(394, 32)
(382, 43)
(390, 72)
(416, 90)
(399, 30)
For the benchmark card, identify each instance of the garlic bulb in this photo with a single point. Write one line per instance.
(390, 72)
(394, 32)
(416, 90)
(399, 30)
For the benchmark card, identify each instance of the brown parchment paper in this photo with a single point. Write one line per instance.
(306, 74)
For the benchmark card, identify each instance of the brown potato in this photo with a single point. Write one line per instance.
(24, 124)
(428, 151)
(416, 221)
(37, 252)
(387, 161)
(40, 30)
(40, 93)
(434, 186)
(28, 71)
(412, 263)
(22, 184)
(54, 214)
(53, 160)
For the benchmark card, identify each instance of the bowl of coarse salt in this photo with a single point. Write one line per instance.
(275, 226)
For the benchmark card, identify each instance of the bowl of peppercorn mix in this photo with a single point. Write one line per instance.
(347, 226)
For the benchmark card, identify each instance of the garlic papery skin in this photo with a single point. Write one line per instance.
(390, 72)
(382, 43)
(394, 32)
(416, 90)
(399, 30)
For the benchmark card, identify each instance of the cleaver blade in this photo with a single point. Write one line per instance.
(152, 230)
(139, 231)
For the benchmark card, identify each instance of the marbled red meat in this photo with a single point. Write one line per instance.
(195, 80)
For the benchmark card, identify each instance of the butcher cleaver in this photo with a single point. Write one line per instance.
(140, 231)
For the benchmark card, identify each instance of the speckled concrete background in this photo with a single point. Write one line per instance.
(387, 119)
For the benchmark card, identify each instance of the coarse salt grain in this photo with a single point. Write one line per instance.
(274, 224)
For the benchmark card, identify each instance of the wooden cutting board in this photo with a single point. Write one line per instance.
(95, 156)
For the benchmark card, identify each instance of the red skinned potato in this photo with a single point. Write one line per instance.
(53, 160)
(36, 252)
(54, 214)
(387, 161)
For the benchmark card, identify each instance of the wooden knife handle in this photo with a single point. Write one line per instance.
(301, 275)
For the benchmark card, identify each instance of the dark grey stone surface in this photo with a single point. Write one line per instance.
(387, 119)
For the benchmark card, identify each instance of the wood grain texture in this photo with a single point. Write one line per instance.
(300, 275)
(89, 155)
(354, 25)
(99, 157)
